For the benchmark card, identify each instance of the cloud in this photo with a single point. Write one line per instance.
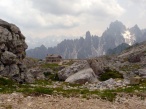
(78, 7)
(47, 18)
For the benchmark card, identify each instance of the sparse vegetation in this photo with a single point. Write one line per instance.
(130, 67)
(75, 90)
(53, 77)
(49, 65)
(110, 74)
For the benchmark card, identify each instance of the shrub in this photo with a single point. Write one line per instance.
(5, 81)
(110, 74)
(53, 77)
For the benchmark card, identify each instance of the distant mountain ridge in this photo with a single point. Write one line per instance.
(92, 46)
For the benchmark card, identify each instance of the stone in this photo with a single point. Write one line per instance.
(133, 58)
(12, 53)
(83, 76)
(8, 58)
(14, 73)
(142, 72)
(28, 77)
(97, 65)
(135, 80)
(74, 68)
(5, 71)
(38, 74)
(1, 67)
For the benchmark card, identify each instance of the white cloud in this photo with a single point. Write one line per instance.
(41, 18)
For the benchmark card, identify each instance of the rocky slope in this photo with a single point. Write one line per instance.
(12, 52)
(118, 49)
(92, 46)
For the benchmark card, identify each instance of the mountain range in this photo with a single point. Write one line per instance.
(91, 46)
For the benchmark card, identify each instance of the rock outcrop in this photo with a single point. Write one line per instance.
(12, 53)
(83, 76)
(74, 68)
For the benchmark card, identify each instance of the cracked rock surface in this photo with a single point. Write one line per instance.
(12, 53)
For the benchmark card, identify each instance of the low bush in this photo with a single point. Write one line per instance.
(110, 74)
(53, 77)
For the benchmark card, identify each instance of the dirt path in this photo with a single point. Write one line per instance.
(18, 101)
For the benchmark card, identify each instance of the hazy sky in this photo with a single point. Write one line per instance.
(58, 18)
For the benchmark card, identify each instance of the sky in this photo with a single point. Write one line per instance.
(50, 21)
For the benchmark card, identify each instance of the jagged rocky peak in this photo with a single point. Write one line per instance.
(43, 47)
(88, 35)
(117, 25)
(12, 52)
(136, 29)
(92, 46)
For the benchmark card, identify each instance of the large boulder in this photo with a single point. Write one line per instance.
(142, 72)
(74, 68)
(98, 65)
(12, 52)
(83, 76)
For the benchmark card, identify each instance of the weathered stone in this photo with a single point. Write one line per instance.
(37, 74)
(133, 58)
(12, 53)
(142, 72)
(14, 29)
(74, 68)
(83, 76)
(14, 73)
(1, 67)
(28, 77)
(97, 65)
(8, 58)
(135, 80)
(5, 72)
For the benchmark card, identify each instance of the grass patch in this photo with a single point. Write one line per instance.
(7, 85)
(41, 87)
(50, 65)
(43, 90)
(110, 74)
(53, 77)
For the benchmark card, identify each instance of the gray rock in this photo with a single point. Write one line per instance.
(8, 58)
(74, 68)
(135, 80)
(83, 76)
(142, 72)
(28, 77)
(5, 71)
(12, 53)
(37, 74)
(1, 67)
(98, 65)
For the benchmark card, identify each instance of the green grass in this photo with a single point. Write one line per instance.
(110, 74)
(49, 65)
(7, 85)
(41, 87)
(53, 77)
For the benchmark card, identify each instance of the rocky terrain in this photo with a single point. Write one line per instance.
(19, 101)
(12, 52)
(114, 81)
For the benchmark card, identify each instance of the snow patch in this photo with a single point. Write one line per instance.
(129, 38)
